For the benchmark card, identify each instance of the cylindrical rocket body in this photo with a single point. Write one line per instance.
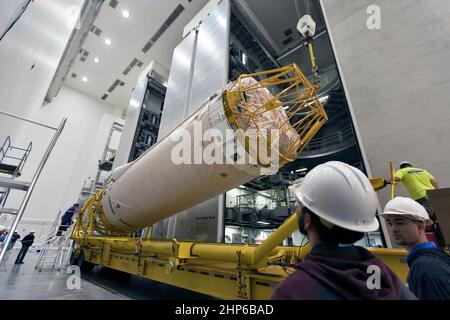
(157, 186)
(193, 163)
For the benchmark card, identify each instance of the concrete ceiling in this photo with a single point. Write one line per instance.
(279, 22)
(128, 37)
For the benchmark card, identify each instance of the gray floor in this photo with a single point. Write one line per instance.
(24, 282)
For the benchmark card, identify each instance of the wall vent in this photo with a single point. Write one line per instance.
(287, 41)
(115, 84)
(113, 3)
(133, 63)
(95, 30)
(173, 16)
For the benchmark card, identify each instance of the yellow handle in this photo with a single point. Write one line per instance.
(392, 180)
(313, 59)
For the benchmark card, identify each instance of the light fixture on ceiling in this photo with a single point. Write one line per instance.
(97, 60)
(108, 42)
(125, 14)
(85, 79)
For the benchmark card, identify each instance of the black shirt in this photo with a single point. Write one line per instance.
(429, 274)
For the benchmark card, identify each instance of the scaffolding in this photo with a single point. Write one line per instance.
(27, 187)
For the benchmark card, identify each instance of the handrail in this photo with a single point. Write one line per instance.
(28, 120)
(24, 159)
(24, 203)
(2, 149)
(331, 139)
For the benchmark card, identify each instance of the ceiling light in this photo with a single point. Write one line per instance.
(84, 79)
(125, 14)
(97, 60)
(108, 42)
(263, 223)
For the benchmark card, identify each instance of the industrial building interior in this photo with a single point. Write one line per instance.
(92, 93)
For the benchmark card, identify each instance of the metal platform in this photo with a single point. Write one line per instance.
(14, 184)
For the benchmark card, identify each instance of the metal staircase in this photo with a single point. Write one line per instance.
(56, 249)
(27, 187)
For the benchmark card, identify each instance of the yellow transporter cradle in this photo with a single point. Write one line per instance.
(220, 270)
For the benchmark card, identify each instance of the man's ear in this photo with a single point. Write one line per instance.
(307, 221)
(421, 226)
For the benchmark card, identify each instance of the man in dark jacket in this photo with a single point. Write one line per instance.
(337, 205)
(429, 266)
(66, 219)
(27, 241)
(15, 237)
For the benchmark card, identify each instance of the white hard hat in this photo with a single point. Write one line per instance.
(407, 207)
(32, 231)
(340, 194)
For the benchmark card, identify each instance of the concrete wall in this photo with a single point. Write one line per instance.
(73, 159)
(398, 81)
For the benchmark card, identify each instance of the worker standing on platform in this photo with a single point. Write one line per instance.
(429, 267)
(337, 205)
(27, 242)
(417, 181)
(66, 219)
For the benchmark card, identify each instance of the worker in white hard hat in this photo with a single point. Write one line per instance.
(27, 242)
(429, 266)
(337, 204)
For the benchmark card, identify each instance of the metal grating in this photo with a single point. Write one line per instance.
(173, 16)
